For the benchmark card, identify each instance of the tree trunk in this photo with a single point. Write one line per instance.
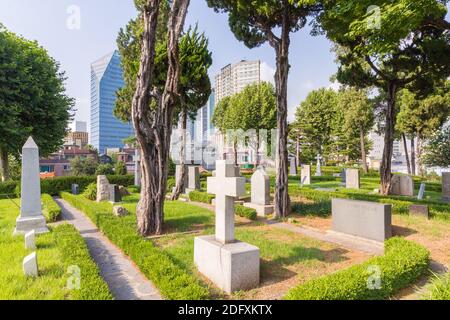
(405, 145)
(419, 156)
(153, 127)
(297, 151)
(386, 163)
(235, 151)
(181, 178)
(413, 156)
(4, 164)
(363, 150)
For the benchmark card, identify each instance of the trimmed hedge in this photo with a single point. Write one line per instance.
(51, 210)
(245, 212)
(74, 252)
(198, 196)
(403, 263)
(173, 281)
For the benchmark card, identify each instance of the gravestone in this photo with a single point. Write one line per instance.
(232, 265)
(31, 217)
(193, 176)
(102, 189)
(293, 167)
(137, 167)
(30, 240)
(402, 186)
(419, 211)
(305, 175)
(344, 176)
(260, 193)
(446, 186)
(352, 180)
(238, 171)
(363, 219)
(75, 189)
(114, 194)
(421, 191)
(120, 211)
(30, 265)
(319, 166)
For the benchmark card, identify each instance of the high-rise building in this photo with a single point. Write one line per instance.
(106, 78)
(233, 78)
(78, 134)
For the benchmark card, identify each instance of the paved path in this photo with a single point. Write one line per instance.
(124, 279)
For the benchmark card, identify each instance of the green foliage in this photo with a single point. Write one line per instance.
(83, 166)
(91, 192)
(74, 252)
(437, 151)
(104, 169)
(439, 288)
(198, 196)
(120, 168)
(172, 281)
(50, 209)
(8, 188)
(403, 263)
(245, 212)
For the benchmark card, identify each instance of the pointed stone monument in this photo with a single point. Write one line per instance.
(260, 200)
(31, 217)
(232, 265)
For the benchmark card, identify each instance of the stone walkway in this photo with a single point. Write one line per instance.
(124, 279)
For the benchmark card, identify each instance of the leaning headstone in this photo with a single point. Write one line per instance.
(30, 265)
(421, 191)
(75, 189)
(306, 175)
(446, 186)
(260, 192)
(114, 194)
(363, 219)
(232, 265)
(102, 189)
(30, 240)
(193, 179)
(319, 166)
(402, 186)
(352, 180)
(419, 211)
(293, 167)
(31, 217)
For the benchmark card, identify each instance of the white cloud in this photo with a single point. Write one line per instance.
(336, 86)
(267, 73)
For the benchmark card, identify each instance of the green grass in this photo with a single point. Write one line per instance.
(56, 251)
(439, 288)
(50, 208)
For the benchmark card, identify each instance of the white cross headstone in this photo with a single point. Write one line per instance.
(30, 240)
(31, 217)
(319, 166)
(226, 186)
(421, 191)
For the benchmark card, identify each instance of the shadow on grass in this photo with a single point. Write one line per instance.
(402, 231)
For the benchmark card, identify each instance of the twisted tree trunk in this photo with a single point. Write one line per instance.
(180, 179)
(362, 137)
(405, 145)
(153, 127)
(413, 156)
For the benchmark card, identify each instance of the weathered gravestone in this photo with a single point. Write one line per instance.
(363, 219)
(103, 189)
(446, 186)
(402, 186)
(75, 189)
(421, 191)
(30, 240)
(419, 211)
(305, 175)
(260, 200)
(30, 265)
(114, 194)
(31, 217)
(232, 265)
(193, 176)
(352, 180)
(293, 167)
(344, 176)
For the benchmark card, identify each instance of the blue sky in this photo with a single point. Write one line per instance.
(75, 49)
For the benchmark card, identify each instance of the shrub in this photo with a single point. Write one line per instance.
(403, 263)
(120, 168)
(245, 212)
(134, 189)
(8, 187)
(172, 280)
(104, 169)
(198, 196)
(51, 209)
(170, 184)
(91, 192)
(74, 252)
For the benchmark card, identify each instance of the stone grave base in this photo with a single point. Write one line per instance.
(232, 267)
(27, 224)
(262, 211)
(362, 242)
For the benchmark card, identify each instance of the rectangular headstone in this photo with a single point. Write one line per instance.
(75, 189)
(352, 180)
(137, 168)
(402, 186)
(446, 186)
(306, 175)
(363, 219)
(30, 240)
(419, 211)
(103, 189)
(421, 191)
(114, 194)
(193, 178)
(344, 175)
(293, 167)
(30, 265)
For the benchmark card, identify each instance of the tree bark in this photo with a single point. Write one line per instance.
(297, 151)
(4, 164)
(386, 163)
(413, 156)
(153, 127)
(363, 150)
(405, 145)
(235, 151)
(419, 155)
(182, 176)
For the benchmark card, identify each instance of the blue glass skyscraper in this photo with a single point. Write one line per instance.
(106, 78)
